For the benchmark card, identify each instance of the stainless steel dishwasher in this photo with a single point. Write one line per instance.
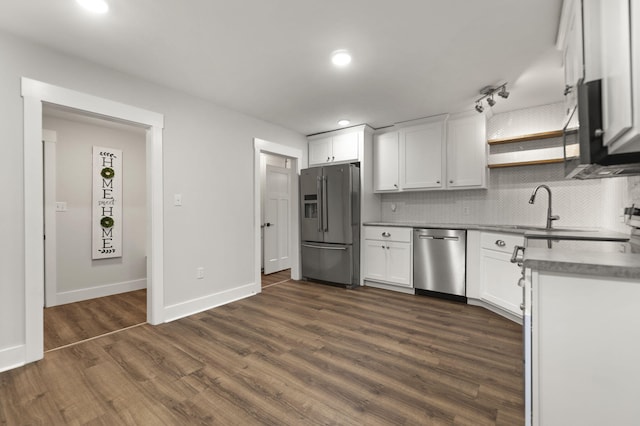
(439, 263)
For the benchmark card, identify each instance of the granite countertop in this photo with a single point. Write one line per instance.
(530, 232)
(617, 265)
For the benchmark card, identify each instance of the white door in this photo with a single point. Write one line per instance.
(277, 209)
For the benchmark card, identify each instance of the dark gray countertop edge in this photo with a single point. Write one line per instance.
(615, 265)
(556, 233)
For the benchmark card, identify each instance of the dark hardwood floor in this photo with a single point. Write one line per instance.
(74, 322)
(276, 278)
(298, 353)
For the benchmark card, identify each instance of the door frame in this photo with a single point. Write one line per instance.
(263, 146)
(34, 93)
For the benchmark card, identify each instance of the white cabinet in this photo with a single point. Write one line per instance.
(498, 276)
(388, 255)
(583, 338)
(439, 153)
(601, 40)
(386, 152)
(337, 147)
(466, 151)
(421, 154)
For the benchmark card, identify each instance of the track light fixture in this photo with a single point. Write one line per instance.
(488, 92)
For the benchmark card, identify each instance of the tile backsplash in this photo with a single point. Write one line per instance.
(578, 203)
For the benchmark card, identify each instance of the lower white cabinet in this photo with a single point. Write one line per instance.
(498, 276)
(388, 255)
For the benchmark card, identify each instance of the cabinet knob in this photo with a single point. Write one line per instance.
(450, 181)
(567, 89)
(395, 185)
(328, 159)
(522, 306)
(500, 243)
(598, 133)
(333, 158)
(521, 282)
(437, 181)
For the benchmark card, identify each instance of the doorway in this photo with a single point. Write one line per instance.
(88, 294)
(279, 206)
(34, 94)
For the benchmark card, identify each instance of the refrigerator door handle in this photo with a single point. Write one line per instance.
(319, 197)
(325, 210)
(323, 247)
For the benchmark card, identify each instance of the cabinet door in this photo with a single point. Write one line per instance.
(385, 162)
(499, 281)
(375, 263)
(573, 60)
(466, 152)
(616, 68)
(320, 151)
(399, 263)
(345, 147)
(421, 156)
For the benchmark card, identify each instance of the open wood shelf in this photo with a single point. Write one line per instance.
(527, 163)
(529, 137)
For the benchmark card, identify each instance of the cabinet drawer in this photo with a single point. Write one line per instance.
(500, 242)
(387, 233)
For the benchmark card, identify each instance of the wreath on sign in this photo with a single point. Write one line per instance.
(106, 222)
(107, 173)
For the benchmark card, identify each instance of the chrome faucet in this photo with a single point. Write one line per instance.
(550, 216)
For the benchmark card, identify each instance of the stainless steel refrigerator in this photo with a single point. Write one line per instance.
(330, 224)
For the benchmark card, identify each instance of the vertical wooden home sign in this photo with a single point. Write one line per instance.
(107, 203)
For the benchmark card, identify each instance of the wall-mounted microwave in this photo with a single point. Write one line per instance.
(588, 158)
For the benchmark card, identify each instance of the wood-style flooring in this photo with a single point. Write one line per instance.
(74, 322)
(296, 354)
(276, 278)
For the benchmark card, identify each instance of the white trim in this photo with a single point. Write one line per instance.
(100, 291)
(12, 357)
(194, 306)
(49, 139)
(390, 287)
(259, 146)
(34, 94)
(495, 309)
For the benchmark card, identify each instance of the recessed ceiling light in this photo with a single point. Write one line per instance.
(343, 122)
(95, 6)
(340, 58)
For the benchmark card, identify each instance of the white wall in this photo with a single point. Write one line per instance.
(208, 158)
(77, 273)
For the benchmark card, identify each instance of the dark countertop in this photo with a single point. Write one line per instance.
(616, 265)
(530, 232)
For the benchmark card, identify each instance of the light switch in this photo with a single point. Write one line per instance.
(177, 200)
(61, 206)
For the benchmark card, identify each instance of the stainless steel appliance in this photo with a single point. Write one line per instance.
(330, 224)
(591, 159)
(439, 263)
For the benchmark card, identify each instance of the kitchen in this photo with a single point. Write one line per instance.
(196, 132)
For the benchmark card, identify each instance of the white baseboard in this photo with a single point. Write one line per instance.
(406, 290)
(190, 307)
(100, 291)
(12, 357)
(495, 309)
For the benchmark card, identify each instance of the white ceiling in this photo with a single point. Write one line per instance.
(271, 58)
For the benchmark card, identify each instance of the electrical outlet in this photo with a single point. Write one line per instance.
(200, 273)
(466, 211)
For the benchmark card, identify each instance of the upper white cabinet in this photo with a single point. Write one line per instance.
(601, 40)
(386, 152)
(334, 148)
(466, 151)
(421, 149)
(439, 153)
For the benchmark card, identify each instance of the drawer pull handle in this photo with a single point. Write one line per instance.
(500, 243)
(386, 234)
